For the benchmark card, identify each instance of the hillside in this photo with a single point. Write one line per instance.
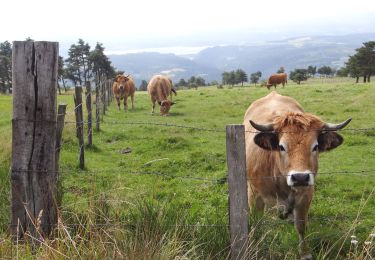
(267, 57)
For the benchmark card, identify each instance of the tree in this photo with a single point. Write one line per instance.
(5, 67)
(225, 78)
(298, 75)
(200, 81)
(342, 72)
(143, 86)
(101, 65)
(214, 83)
(281, 70)
(254, 77)
(182, 83)
(352, 66)
(326, 71)
(78, 63)
(311, 70)
(362, 63)
(240, 76)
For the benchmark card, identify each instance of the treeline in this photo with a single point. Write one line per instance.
(361, 64)
(83, 64)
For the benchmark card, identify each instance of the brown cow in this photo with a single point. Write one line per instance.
(159, 88)
(282, 147)
(122, 88)
(276, 79)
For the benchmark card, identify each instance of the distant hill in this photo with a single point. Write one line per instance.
(145, 65)
(267, 57)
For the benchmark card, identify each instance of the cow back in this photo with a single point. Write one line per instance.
(159, 87)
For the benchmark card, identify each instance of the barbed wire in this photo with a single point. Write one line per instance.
(174, 176)
(84, 122)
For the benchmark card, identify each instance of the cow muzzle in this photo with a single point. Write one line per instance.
(296, 179)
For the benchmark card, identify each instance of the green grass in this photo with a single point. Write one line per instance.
(140, 205)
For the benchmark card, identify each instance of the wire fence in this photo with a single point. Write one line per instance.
(217, 181)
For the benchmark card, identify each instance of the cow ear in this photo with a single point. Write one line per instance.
(329, 140)
(116, 78)
(172, 103)
(267, 141)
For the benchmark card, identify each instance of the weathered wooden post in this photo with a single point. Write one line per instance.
(104, 103)
(97, 105)
(59, 130)
(237, 182)
(79, 125)
(89, 113)
(33, 173)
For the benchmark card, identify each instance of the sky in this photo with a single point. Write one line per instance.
(141, 24)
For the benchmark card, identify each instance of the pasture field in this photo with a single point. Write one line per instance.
(167, 198)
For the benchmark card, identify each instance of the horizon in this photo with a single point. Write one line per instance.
(144, 25)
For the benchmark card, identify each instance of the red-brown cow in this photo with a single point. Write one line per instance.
(159, 88)
(122, 88)
(276, 79)
(282, 148)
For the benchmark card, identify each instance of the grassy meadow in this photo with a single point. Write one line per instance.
(166, 198)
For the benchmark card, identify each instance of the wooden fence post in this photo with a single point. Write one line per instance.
(237, 182)
(97, 105)
(79, 125)
(33, 173)
(103, 88)
(89, 113)
(59, 130)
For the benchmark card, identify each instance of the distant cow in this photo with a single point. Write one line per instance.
(282, 148)
(276, 79)
(122, 88)
(159, 88)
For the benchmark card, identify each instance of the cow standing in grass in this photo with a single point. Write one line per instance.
(159, 88)
(122, 88)
(276, 79)
(282, 148)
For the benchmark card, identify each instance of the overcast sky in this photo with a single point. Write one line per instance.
(142, 23)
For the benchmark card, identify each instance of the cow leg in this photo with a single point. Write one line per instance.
(255, 201)
(302, 204)
(153, 107)
(118, 102)
(132, 97)
(126, 103)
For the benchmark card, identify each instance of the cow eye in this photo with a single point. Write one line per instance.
(315, 148)
(281, 148)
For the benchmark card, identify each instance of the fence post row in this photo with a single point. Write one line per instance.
(89, 113)
(103, 88)
(237, 182)
(33, 173)
(79, 125)
(97, 104)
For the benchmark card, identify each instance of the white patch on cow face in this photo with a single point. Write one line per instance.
(291, 173)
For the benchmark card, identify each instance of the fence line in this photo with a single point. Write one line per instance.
(194, 127)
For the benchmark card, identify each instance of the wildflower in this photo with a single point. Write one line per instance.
(372, 235)
(367, 243)
(354, 242)
(353, 237)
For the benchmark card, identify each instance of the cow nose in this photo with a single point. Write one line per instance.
(300, 179)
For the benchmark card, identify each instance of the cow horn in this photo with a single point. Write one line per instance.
(262, 128)
(335, 127)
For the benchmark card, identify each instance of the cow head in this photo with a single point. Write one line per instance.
(297, 139)
(165, 105)
(121, 80)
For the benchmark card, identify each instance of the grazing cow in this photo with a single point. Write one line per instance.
(122, 88)
(159, 88)
(276, 79)
(282, 147)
